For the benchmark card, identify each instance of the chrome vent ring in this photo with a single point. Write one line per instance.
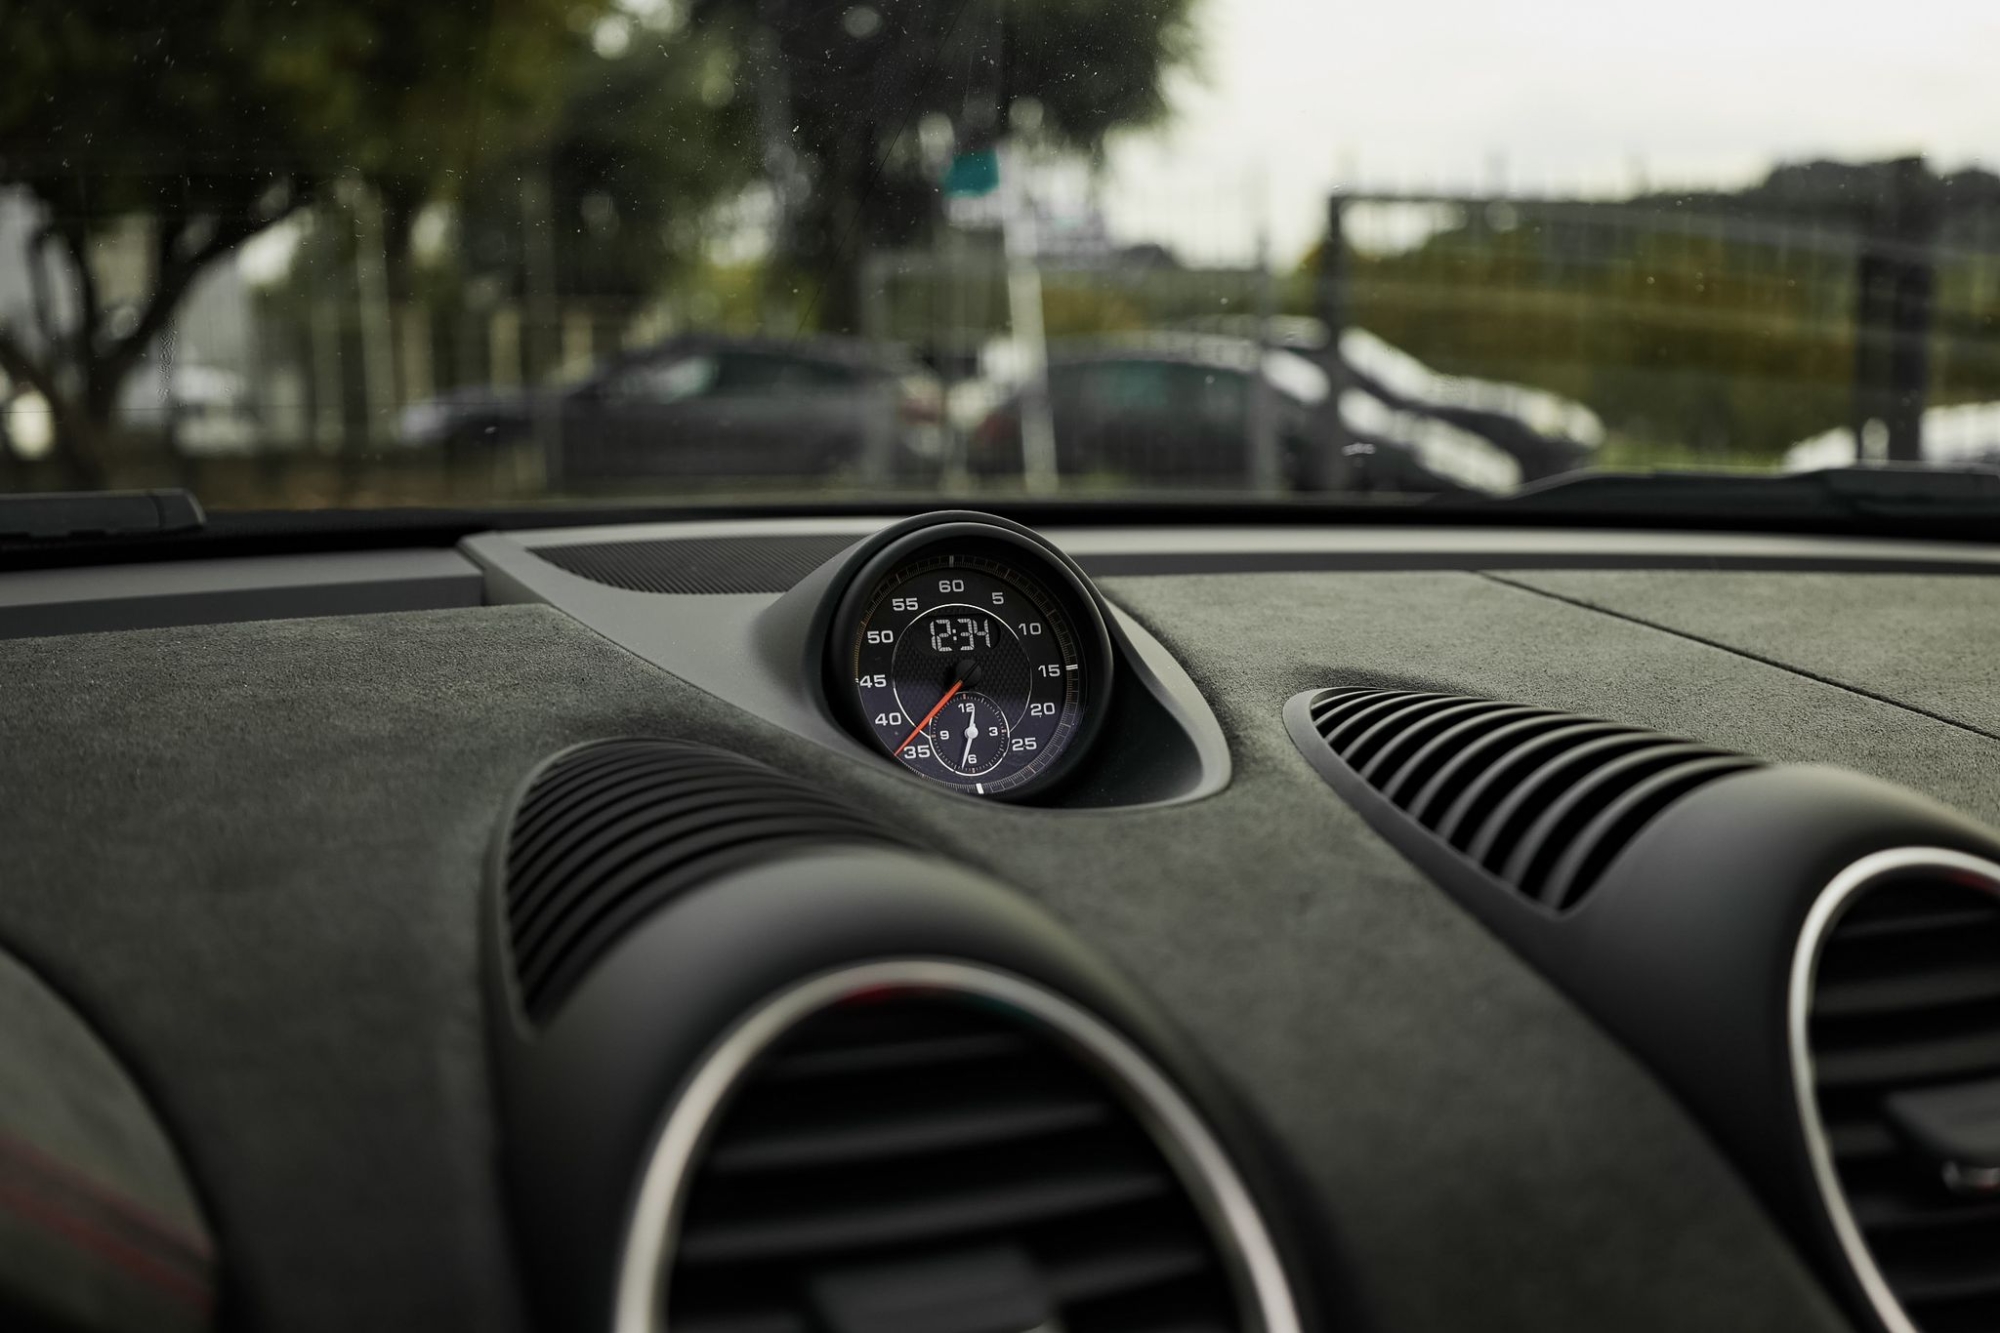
(672, 1222)
(1894, 1002)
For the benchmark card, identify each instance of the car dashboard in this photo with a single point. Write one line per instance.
(563, 930)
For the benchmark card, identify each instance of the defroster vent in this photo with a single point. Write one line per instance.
(608, 832)
(911, 1159)
(1902, 1065)
(1539, 799)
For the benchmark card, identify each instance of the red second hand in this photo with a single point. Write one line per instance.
(956, 687)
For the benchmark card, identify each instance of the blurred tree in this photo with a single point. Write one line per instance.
(211, 120)
(843, 88)
(653, 130)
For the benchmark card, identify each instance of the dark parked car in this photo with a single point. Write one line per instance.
(1178, 409)
(709, 406)
(1175, 414)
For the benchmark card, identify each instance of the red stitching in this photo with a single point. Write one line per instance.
(36, 1159)
(128, 1258)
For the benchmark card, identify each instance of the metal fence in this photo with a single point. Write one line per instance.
(1702, 329)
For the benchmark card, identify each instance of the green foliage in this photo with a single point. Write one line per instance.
(858, 79)
(645, 142)
(579, 144)
(1076, 311)
(213, 118)
(115, 107)
(1722, 349)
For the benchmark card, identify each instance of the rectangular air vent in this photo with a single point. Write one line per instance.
(1541, 800)
(608, 831)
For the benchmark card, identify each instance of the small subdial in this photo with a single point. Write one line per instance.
(970, 734)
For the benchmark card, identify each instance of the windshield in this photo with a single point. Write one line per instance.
(362, 252)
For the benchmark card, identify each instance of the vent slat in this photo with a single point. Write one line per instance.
(1589, 791)
(914, 1221)
(1856, 1141)
(565, 788)
(1335, 715)
(1969, 982)
(1907, 994)
(1533, 827)
(1980, 1314)
(1907, 1210)
(1900, 909)
(642, 823)
(1075, 1279)
(1447, 788)
(1361, 734)
(1891, 1060)
(1921, 924)
(872, 1138)
(1612, 829)
(887, 1135)
(596, 909)
(1401, 737)
(609, 831)
(584, 808)
(1480, 821)
(1406, 784)
(765, 1321)
(1927, 1283)
(885, 1056)
(654, 842)
(1542, 801)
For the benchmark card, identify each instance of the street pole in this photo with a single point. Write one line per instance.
(371, 272)
(1024, 309)
(1332, 463)
(539, 261)
(1895, 286)
(774, 126)
(1262, 425)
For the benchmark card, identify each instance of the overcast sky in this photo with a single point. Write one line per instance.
(1593, 95)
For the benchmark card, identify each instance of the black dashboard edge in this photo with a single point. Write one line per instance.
(290, 587)
(287, 532)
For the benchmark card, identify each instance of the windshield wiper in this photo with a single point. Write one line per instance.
(1836, 493)
(60, 515)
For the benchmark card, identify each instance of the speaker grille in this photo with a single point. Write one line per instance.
(1540, 799)
(608, 832)
(699, 565)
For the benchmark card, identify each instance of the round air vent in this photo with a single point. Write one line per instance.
(1895, 1042)
(933, 1147)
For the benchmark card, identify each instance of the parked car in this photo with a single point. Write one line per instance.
(1960, 435)
(1158, 413)
(1543, 433)
(710, 406)
(1177, 408)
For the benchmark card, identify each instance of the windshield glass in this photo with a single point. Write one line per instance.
(358, 252)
